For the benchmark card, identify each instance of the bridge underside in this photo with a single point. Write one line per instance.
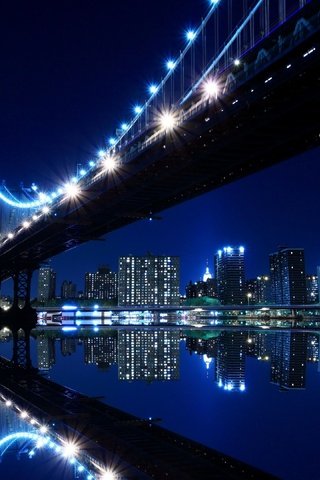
(269, 118)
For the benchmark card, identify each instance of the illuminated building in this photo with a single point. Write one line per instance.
(101, 285)
(288, 360)
(312, 289)
(230, 363)
(46, 284)
(148, 355)
(230, 275)
(149, 280)
(287, 274)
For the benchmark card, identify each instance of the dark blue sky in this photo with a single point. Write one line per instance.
(70, 74)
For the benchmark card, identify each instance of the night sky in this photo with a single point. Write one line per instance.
(71, 73)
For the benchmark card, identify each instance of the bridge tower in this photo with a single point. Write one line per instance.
(21, 318)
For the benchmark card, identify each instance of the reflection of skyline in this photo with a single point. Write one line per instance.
(148, 354)
(151, 354)
(288, 360)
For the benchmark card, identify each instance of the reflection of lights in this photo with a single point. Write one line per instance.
(211, 88)
(43, 429)
(70, 449)
(242, 387)
(167, 121)
(45, 209)
(108, 475)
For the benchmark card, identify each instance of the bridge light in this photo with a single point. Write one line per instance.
(82, 172)
(10, 235)
(24, 414)
(109, 163)
(112, 141)
(170, 64)
(91, 164)
(137, 109)
(8, 403)
(167, 121)
(124, 127)
(101, 153)
(211, 88)
(237, 62)
(46, 209)
(190, 35)
(71, 190)
(43, 429)
(26, 224)
(214, 2)
(153, 88)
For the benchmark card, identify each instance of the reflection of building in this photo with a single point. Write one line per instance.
(46, 352)
(68, 289)
(101, 285)
(148, 354)
(230, 363)
(100, 350)
(312, 289)
(258, 346)
(288, 359)
(313, 348)
(287, 273)
(46, 284)
(229, 272)
(68, 346)
(149, 280)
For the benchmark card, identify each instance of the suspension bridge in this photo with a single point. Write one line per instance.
(242, 94)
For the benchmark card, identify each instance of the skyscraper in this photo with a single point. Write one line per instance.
(149, 280)
(230, 275)
(101, 285)
(287, 276)
(46, 284)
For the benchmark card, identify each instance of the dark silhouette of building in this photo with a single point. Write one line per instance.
(230, 275)
(102, 285)
(287, 274)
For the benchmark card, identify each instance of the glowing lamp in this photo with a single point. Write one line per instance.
(170, 64)
(109, 163)
(71, 190)
(137, 109)
(153, 88)
(190, 35)
(167, 121)
(211, 88)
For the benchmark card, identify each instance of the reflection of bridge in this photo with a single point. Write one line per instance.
(107, 438)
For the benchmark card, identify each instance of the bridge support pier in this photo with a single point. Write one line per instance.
(21, 318)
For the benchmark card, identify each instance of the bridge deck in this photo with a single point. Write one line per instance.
(137, 447)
